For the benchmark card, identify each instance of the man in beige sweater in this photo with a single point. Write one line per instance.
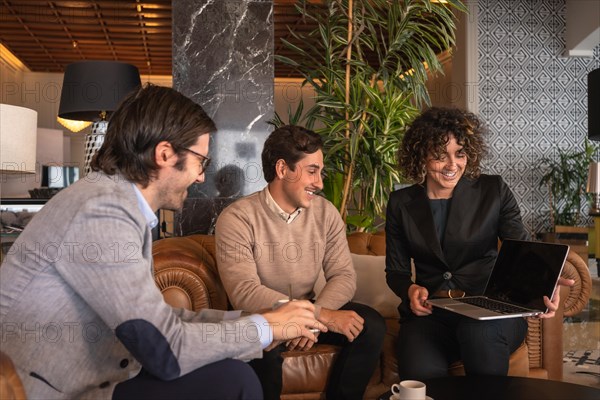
(273, 244)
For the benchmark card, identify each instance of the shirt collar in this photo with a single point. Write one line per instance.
(273, 206)
(150, 215)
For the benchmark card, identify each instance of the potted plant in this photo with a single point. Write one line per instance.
(368, 62)
(566, 179)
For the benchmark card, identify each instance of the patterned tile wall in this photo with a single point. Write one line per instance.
(533, 99)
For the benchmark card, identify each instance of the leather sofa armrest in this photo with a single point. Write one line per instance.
(186, 272)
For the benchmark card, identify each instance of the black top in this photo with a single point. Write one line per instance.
(439, 210)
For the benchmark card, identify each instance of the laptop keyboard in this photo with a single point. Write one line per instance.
(493, 305)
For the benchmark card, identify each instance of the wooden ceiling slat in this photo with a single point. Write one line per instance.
(84, 29)
(42, 33)
(60, 42)
(96, 51)
(116, 14)
(116, 4)
(57, 42)
(82, 22)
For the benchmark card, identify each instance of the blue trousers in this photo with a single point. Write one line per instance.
(352, 369)
(428, 345)
(226, 379)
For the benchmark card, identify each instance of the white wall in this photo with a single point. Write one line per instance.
(40, 91)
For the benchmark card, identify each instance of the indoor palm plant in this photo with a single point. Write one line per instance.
(566, 179)
(368, 62)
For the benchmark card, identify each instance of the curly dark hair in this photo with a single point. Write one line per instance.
(428, 136)
(289, 143)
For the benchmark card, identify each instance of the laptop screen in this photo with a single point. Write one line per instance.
(525, 272)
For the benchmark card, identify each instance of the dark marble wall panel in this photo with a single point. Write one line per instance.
(223, 60)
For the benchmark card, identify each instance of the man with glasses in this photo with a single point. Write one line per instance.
(204, 160)
(80, 313)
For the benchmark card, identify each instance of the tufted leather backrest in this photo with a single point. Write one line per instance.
(367, 243)
(174, 256)
(179, 262)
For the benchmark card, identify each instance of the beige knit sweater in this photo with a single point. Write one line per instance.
(259, 255)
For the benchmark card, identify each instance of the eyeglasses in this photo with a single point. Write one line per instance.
(204, 161)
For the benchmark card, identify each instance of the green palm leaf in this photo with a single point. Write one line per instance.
(362, 133)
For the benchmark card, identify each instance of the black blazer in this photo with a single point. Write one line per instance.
(482, 211)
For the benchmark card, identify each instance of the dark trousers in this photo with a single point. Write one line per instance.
(226, 379)
(352, 369)
(428, 345)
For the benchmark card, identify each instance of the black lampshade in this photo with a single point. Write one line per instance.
(594, 104)
(92, 87)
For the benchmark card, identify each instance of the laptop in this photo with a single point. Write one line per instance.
(523, 274)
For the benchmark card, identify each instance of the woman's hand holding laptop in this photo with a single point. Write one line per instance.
(553, 304)
(418, 300)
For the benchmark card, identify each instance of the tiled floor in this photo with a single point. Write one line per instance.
(581, 339)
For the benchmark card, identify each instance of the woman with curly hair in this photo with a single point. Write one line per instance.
(449, 222)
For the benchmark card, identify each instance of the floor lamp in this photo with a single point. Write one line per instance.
(91, 91)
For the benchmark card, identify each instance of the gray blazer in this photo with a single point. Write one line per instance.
(79, 309)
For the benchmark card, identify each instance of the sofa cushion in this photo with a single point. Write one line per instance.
(308, 371)
(371, 287)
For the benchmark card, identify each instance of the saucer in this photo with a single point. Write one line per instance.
(426, 398)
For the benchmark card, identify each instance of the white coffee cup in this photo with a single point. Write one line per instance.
(409, 390)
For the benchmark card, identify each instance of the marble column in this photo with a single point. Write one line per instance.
(223, 60)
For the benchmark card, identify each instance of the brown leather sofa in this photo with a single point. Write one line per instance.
(186, 273)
